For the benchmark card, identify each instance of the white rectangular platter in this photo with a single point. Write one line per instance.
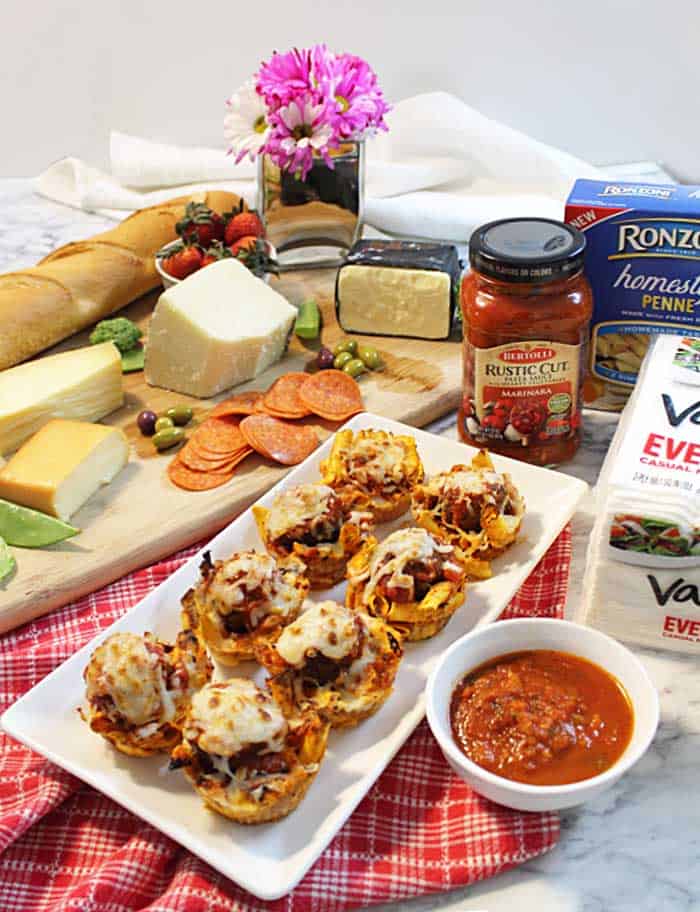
(270, 860)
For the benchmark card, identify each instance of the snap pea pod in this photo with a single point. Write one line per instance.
(26, 528)
(308, 322)
(133, 360)
(7, 561)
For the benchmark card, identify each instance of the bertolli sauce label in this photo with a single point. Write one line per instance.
(523, 392)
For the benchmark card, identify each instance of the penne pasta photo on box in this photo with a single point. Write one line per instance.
(643, 265)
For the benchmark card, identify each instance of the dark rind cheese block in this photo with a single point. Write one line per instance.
(398, 288)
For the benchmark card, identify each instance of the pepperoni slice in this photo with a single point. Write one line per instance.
(196, 480)
(282, 399)
(332, 394)
(201, 461)
(285, 443)
(219, 435)
(240, 404)
(192, 480)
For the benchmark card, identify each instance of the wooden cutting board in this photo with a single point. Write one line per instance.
(142, 517)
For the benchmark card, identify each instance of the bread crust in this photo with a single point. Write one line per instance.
(85, 281)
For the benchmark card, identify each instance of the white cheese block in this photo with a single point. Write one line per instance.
(84, 384)
(63, 465)
(219, 327)
(392, 301)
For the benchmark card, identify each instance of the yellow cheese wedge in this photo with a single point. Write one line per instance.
(84, 384)
(63, 465)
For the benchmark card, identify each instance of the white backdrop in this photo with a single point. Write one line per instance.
(608, 80)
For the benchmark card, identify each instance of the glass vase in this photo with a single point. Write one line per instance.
(315, 221)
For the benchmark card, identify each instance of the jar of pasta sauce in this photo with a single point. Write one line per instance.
(526, 308)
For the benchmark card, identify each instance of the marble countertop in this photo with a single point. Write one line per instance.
(637, 848)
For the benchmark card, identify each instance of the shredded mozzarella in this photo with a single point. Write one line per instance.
(227, 717)
(471, 482)
(404, 545)
(229, 587)
(125, 670)
(326, 627)
(295, 506)
(378, 460)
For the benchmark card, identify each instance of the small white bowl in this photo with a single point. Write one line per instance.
(169, 281)
(497, 639)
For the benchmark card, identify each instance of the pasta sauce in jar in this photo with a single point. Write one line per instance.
(526, 309)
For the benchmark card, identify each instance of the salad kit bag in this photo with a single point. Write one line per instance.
(643, 567)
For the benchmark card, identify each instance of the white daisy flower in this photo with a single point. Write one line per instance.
(245, 126)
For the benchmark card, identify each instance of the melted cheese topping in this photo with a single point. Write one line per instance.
(326, 627)
(295, 506)
(470, 482)
(405, 545)
(124, 669)
(226, 718)
(377, 460)
(233, 580)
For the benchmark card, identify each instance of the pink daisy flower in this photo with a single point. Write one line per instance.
(298, 131)
(284, 77)
(359, 105)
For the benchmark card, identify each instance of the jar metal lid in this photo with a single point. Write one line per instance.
(530, 250)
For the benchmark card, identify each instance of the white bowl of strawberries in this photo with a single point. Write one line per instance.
(205, 236)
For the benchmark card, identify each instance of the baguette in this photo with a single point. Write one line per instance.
(86, 281)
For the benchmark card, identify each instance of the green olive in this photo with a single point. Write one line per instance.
(164, 423)
(341, 359)
(180, 415)
(369, 356)
(347, 345)
(168, 437)
(354, 367)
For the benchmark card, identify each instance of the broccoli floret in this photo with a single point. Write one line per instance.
(120, 330)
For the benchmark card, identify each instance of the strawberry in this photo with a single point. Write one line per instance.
(243, 244)
(200, 225)
(254, 253)
(214, 253)
(243, 224)
(182, 261)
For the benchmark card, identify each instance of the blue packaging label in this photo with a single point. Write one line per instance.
(643, 265)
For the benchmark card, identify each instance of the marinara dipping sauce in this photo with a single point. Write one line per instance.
(541, 717)
(526, 309)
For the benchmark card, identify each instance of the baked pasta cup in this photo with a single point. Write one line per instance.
(373, 471)
(245, 756)
(411, 580)
(244, 601)
(473, 507)
(139, 689)
(311, 523)
(340, 661)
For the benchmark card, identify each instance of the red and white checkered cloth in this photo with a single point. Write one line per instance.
(419, 830)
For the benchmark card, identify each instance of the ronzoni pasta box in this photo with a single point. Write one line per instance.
(642, 580)
(643, 265)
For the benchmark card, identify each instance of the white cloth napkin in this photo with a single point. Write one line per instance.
(441, 170)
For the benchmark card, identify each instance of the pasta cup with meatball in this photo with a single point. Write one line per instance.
(473, 507)
(139, 688)
(310, 522)
(243, 602)
(373, 471)
(246, 756)
(340, 661)
(411, 579)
